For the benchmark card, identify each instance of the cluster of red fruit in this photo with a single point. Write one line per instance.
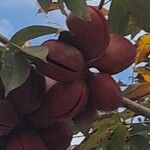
(33, 116)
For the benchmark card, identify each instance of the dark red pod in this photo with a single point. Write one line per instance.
(25, 141)
(104, 92)
(65, 62)
(66, 100)
(8, 117)
(29, 96)
(119, 55)
(56, 137)
(63, 101)
(40, 118)
(93, 35)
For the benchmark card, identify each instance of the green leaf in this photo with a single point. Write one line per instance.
(78, 8)
(44, 4)
(140, 136)
(132, 29)
(119, 138)
(101, 130)
(40, 52)
(15, 70)
(140, 11)
(62, 8)
(118, 17)
(2, 49)
(139, 143)
(141, 129)
(31, 32)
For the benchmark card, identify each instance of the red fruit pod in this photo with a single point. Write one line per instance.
(93, 35)
(40, 118)
(29, 96)
(119, 55)
(56, 137)
(25, 141)
(65, 62)
(8, 117)
(66, 100)
(104, 92)
(63, 101)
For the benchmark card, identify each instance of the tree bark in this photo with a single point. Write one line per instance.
(132, 105)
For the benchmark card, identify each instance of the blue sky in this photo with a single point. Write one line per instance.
(22, 13)
(15, 15)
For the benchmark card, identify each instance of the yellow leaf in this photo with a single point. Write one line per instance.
(52, 6)
(143, 48)
(144, 72)
(137, 91)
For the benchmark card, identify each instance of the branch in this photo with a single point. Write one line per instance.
(101, 4)
(3, 39)
(7, 42)
(140, 109)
